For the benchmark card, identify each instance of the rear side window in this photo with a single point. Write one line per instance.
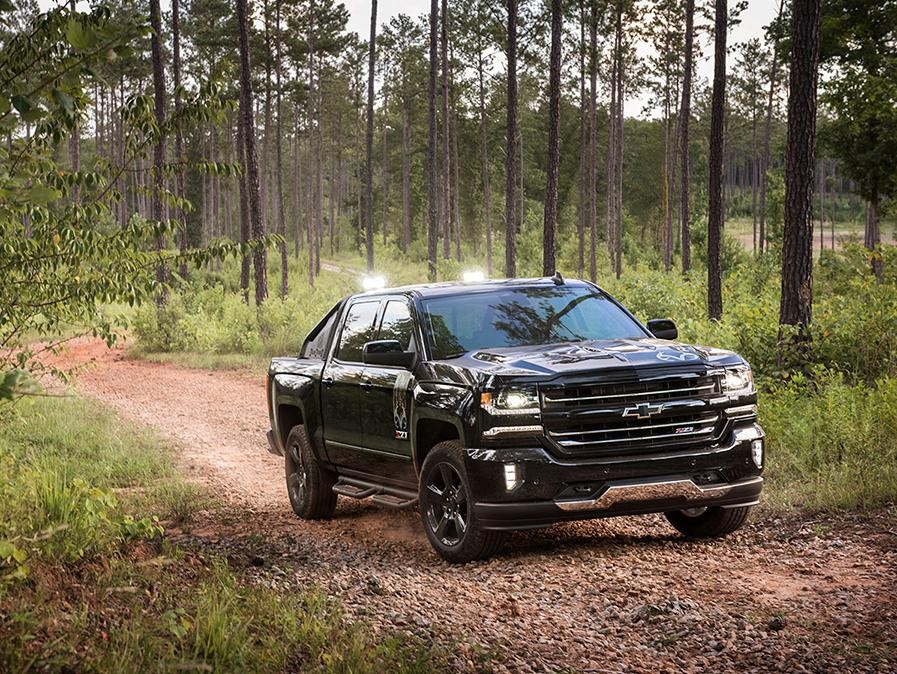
(318, 339)
(358, 329)
(396, 324)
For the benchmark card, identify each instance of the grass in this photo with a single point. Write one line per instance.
(88, 581)
(240, 362)
(831, 446)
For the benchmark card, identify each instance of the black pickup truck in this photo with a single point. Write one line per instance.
(513, 404)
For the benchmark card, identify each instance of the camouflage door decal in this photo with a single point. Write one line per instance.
(400, 404)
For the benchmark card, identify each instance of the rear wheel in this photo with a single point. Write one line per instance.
(708, 522)
(309, 485)
(446, 508)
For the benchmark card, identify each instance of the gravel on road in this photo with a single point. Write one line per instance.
(785, 593)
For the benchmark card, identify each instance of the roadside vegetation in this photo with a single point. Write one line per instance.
(88, 581)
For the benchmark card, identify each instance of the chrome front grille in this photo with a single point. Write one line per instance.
(635, 416)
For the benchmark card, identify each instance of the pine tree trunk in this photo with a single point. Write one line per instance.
(259, 258)
(549, 262)
(265, 176)
(754, 176)
(446, 154)
(582, 206)
(384, 170)
(332, 194)
(432, 196)
(715, 165)
(666, 237)
(319, 168)
(75, 140)
(456, 160)
(618, 148)
(593, 143)
(873, 237)
(178, 137)
(511, 160)
(310, 179)
(281, 218)
(610, 209)
(159, 152)
(369, 145)
(297, 186)
(244, 211)
(684, 125)
(406, 178)
(484, 156)
(797, 247)
(821, 188)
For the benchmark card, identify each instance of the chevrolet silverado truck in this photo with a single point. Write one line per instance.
(513, 404)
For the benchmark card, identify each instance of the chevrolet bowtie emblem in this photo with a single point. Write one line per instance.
(643, 410)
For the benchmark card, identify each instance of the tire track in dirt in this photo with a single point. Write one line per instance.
(610, 595)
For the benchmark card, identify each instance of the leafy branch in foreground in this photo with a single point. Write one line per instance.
(63, 256)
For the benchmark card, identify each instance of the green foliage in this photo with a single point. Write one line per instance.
(81, 587)
(62, 254)
(61, 459)
(214, 320)
(854, 318)
(831, 443)
(861, 92)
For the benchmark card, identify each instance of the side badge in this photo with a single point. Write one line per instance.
(400, 404)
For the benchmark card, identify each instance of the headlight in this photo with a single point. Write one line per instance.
(739, 380)
(511, 401)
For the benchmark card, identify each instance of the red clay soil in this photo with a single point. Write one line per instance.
(619, 595)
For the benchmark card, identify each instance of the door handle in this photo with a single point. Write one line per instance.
(327, 381)
(367, 385)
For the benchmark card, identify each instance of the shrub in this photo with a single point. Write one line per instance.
(831, 445)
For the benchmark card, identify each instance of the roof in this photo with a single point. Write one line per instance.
(461, 288)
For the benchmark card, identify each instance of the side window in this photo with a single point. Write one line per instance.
(315, 345)
(397, 324)
(358, 329)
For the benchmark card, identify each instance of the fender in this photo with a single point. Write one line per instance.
(299, 391)
(449, 403)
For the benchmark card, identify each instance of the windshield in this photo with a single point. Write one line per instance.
(523, 317)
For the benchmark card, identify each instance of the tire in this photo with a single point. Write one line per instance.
(711, 522)
(309, 486)
(446, 508)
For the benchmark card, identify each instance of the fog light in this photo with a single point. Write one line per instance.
(512, 476)
(757, 452)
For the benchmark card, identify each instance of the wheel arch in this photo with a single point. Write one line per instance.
(429, 432)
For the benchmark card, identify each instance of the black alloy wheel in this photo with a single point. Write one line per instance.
(447, 509)
(309, 485)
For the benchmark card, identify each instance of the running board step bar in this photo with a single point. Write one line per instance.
(394, 497)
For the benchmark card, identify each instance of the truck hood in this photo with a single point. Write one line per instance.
(548, 361)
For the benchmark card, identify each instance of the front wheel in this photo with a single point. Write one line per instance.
(710, 522)
(309, 485)
(446, 508)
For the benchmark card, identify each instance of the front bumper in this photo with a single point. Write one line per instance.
(637, 497)
(553, 490)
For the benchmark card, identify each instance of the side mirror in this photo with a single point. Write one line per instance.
(663, 328)
(386, 352)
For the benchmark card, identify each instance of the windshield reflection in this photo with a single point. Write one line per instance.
(508, 317)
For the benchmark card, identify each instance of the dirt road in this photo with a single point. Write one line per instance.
(607, 596)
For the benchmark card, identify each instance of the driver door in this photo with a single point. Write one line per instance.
(343, 388)
(386, 406)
